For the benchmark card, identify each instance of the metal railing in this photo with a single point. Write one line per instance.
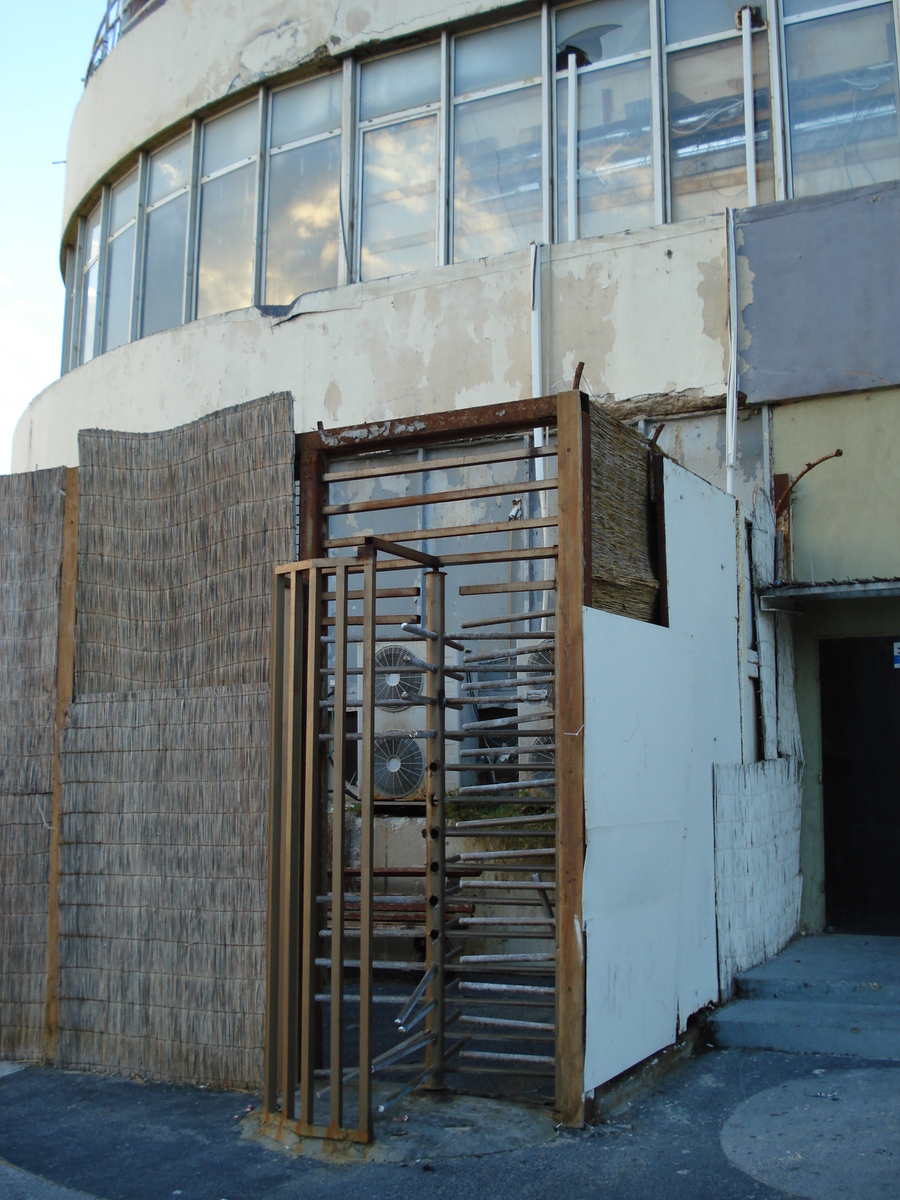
(119, 15)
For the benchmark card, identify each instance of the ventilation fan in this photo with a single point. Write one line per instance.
(397, 685)
(399, 764)
(539, 758)
(540, 664)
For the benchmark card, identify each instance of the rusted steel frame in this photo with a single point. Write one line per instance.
(451, 497)
(338, 852)
(65, 676)
(367, 862)
(309, 464)
(572, 581)
(425, 535)
(455, 424)
(273, 1053)
(472, 459)
(312, 804)
(435, 877)
(291, 815)
(657, 469)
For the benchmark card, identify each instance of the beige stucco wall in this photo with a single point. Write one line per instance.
(845, 514)
(191, 53)
(819, 620)
(644, 311)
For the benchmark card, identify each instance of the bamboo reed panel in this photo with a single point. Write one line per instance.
(163, 885)
(623, 579)
(179, 533)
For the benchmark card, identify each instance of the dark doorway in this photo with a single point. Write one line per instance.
(860, 692)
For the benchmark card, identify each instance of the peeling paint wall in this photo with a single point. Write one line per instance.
(845, 514)
(191, 53)
(449, 337)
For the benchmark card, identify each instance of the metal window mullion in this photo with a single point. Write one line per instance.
(192, 232)
(259, 284)
(706, 39)
(443, 188)
(547, 85)
(837, 10)
(348, 158)
(658, 124)
(451, 181)
(102, 264)
(274, 151)
(749, 107)
(554, 131)
(517, 85)
(137, 267)
(572, 150)
(607, 64)
(773, 21)
(786, 116)
(77, 295)
(67, 311)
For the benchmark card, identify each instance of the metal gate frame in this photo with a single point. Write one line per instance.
(294, 746)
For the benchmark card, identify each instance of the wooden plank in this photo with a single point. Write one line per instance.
(570, 998)
(474, 459)
(425, 535)
(465, 423)
(367, 861)
(657, 461)
(336, 1115)
(311, 817)
(416, 556)
(490, 589)
(65, 676)
(289, 917)
(452, 496)
(273, 892)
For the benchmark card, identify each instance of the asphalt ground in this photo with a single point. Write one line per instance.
(723, 1124)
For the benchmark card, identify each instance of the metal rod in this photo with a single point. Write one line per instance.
(417, 992)
(336, 1113)
(406, 1089)
(483, 855)
(749, 113)
(511, 989)
(367, 798)
(425, 1011)
(478, 458)
(508, 1023)
(311, 803)
(452, 496)
(435, 886)
(512, 785)
(486, 822)
(275, 1025)
(465, 959)
(383, 1060)
(445, 531)
(499, 1056)
(509, 722)
(531, 615)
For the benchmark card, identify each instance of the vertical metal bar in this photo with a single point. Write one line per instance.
(67, 311)
(259, 286)
(192, 232)
(749, 109)
(137, 273)
(786, 101)
(289, 917)
(312, 802)
(273, 897)
(435, 884)
(537, 365)
(348, 133)
(367, 797)
(443, 188)
(731, 382)
(75, 350)
(572, 152)
(102, 266)
(773, 35)
(548, 74)
(570, 733)
(659, 132)
(337, 848)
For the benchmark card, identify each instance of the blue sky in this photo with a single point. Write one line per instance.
(46, 49)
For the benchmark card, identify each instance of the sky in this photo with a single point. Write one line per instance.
(46, 51)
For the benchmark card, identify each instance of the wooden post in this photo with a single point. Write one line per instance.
(367, 861)
(435, 858)
(571, 583)
(65, 679)
(311, 813)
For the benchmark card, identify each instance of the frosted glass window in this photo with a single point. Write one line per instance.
(304, 220)
(230, 139)
(497, 203)
(401, 82)
(614, 151)
(708, 158)
(686, 19)
(498, 56)
(227, 232)
(170, 170)
(306, 110)
(399, 198)
(843, 100)
(603, 30)
(117, 319)
(166, 228)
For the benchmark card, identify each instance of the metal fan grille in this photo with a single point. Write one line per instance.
(540, 665)
(539, 758)
(399, 764)
(397, 685)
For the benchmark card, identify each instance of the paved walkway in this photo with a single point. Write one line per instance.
(727, 1124)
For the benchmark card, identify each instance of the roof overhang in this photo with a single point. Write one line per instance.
(784, 596)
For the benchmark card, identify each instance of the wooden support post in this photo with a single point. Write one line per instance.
(336, 1116)
(571, 583)
(367, 862)
(312, 804)
(273, 908)
(435, 885)
(65, 679)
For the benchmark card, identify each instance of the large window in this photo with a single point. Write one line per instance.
(591, 118)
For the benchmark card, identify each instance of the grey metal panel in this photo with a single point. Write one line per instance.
(820, 298)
